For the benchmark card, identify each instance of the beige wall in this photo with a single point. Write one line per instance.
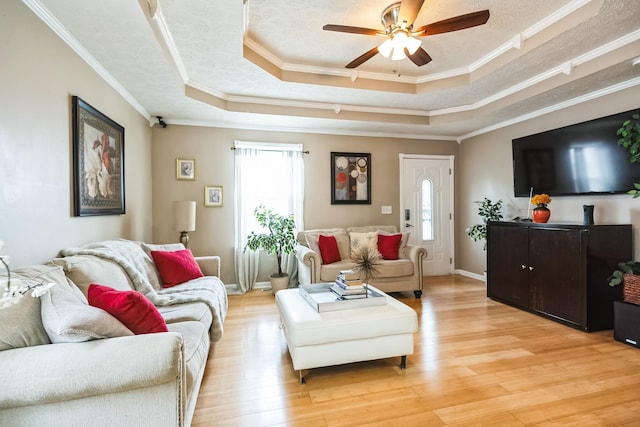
(40, 73)
(211, 147)
(484, 169)
(38, 76)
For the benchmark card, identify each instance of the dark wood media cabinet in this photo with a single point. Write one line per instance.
(558, 271)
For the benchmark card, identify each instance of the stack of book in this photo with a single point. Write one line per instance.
(349, 286)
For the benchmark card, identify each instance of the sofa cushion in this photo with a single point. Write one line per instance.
(389, 269)
(67, 317)
(176, 267)
(362, 241)
(22, 322)
(169, 247)
(329, 272)
(196, 349)
(402, 249)
(369, 228)
(395, 268)
(84, 270)
(342, 238)
(176, 313)
(328, 249)
(131, 308)
(388, 246)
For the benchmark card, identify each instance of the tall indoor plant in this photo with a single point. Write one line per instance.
(278, 239)
(629, 133)
(488, 211)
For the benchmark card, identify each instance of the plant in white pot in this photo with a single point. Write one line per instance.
(277, 239)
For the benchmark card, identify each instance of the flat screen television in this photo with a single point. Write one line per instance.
(584, 158)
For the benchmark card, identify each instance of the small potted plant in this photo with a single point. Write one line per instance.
(628, 275)
(488, 211)
(629, 134)
(278, 239)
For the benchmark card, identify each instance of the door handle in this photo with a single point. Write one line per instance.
(408, 225)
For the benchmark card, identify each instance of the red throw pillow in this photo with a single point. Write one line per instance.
(176, 267)
(131, 308)
(388, 245)
(328, 249)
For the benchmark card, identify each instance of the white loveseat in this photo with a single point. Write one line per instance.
(395, 275)
(62, 367)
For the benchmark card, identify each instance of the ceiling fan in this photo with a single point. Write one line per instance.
(401, 43)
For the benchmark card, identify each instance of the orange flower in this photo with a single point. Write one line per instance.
(541, 199)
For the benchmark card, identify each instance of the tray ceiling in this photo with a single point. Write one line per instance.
(267, 64)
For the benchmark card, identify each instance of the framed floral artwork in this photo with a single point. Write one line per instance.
(350, 178)
(98, 162)
(186, 169)
(213, 195)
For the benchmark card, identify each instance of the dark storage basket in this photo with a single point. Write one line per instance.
(631, 288)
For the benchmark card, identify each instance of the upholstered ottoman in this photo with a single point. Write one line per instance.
(344, 336)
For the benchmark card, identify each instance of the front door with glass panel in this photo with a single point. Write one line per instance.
(426, 208)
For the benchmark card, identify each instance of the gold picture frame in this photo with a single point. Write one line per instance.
(213, 195)
(186, 169)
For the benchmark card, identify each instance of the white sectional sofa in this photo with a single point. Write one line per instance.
(395, 275)
(65, 364)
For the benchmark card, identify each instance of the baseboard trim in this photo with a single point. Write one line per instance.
(233, 289)
(470, 274)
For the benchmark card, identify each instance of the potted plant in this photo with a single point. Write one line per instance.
(628, 274)
(278, 239)
(488, 211)
(629, 134)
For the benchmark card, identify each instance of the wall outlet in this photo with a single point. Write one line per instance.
(386, 210)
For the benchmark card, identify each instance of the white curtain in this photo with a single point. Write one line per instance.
(272, 175)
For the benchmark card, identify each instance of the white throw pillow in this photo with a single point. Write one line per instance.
(360, 241)
(67, 317)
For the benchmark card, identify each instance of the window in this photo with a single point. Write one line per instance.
(427, 210)
(271, 175)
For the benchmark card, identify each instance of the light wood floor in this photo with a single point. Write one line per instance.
(476, 362)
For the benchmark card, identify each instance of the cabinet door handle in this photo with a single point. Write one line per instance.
(524, 267)
(530, 268)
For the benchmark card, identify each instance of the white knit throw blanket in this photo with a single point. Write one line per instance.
(139, 266)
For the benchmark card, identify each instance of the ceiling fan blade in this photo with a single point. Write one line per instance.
(363, 58)
(420, 56)
(409, 10)
(354, 30)
(453, 24)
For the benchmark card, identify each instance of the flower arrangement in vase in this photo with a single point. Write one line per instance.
(541, 212)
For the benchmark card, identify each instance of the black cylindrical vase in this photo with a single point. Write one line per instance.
(588, 214)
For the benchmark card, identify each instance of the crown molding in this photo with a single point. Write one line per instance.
(45, 16)
(556, 107)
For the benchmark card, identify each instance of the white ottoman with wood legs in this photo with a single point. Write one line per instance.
(345, 336)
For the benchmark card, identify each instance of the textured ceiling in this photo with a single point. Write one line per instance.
(268, 64)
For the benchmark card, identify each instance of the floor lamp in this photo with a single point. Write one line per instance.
(184, 217)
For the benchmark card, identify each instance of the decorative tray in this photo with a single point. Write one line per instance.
(319, 296)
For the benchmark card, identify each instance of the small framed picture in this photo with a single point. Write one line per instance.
(213, 195)
(186, 169)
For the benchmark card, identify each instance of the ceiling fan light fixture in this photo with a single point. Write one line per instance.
(412, 44)
(398, 54)
(385, 48)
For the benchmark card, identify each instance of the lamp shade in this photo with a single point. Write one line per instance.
(184, 215)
